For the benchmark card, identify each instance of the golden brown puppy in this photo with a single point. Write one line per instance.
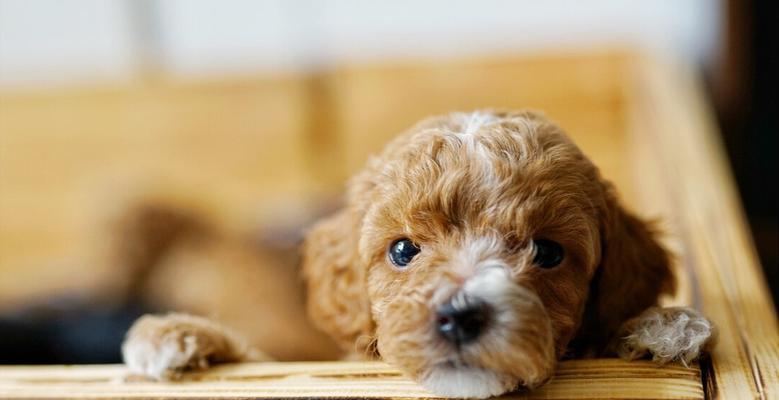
(473, 253)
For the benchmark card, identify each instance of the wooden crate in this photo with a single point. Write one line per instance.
(643, 119)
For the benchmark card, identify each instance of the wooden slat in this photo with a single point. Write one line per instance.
(667, 109)
(590, 379)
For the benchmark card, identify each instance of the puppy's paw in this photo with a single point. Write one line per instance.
(668, 334)
(161, 347)
(163, 358)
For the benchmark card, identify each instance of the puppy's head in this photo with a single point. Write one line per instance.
(472, 248)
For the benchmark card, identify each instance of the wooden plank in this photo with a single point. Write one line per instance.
(582, 379)
(667, 108)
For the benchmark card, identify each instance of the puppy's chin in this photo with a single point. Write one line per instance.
(517, 349)
(466, 381)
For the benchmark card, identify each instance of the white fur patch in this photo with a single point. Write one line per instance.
(492, 284)
(479, 252)
(486, 276)
(472, 122)
(463, 382)
(144, 358)
(668, 334)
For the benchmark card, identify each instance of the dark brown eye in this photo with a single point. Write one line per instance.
(549, 253)
(402, 251)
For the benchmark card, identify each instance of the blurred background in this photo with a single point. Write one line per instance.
(125, 123)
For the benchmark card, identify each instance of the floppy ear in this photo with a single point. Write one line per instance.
(337, 295)
(634, 271)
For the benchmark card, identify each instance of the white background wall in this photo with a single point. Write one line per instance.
(44, 42)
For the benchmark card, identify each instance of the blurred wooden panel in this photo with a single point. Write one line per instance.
(67, 157)
(582, 379)
(580, 92)
(669, 115)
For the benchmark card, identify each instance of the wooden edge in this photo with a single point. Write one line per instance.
(667, 108)
(577, 379)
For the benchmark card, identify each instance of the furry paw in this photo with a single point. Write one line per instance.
(668, 334)
(161, 347)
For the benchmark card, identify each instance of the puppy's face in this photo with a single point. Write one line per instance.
(468, 249)
(480, 237)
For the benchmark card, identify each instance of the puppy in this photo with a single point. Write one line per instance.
(473, 253)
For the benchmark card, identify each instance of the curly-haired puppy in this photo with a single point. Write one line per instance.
(473, 253)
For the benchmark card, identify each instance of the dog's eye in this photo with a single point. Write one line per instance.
(548, 253)
(402, 252)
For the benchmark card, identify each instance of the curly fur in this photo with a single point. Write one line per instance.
(162, 346)
(474, 190)
(668, 334)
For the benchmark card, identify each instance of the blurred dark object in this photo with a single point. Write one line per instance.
(66, 331)
(71, 329)
(744, 85)
(166, 256)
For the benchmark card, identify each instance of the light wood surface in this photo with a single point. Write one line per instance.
(668, 112)
(592, 379)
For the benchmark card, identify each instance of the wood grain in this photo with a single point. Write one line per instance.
(591, 379)
(668, 110)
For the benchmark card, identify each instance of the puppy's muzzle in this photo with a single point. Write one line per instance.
(462, 319)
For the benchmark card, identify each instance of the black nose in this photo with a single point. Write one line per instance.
(461, 321)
